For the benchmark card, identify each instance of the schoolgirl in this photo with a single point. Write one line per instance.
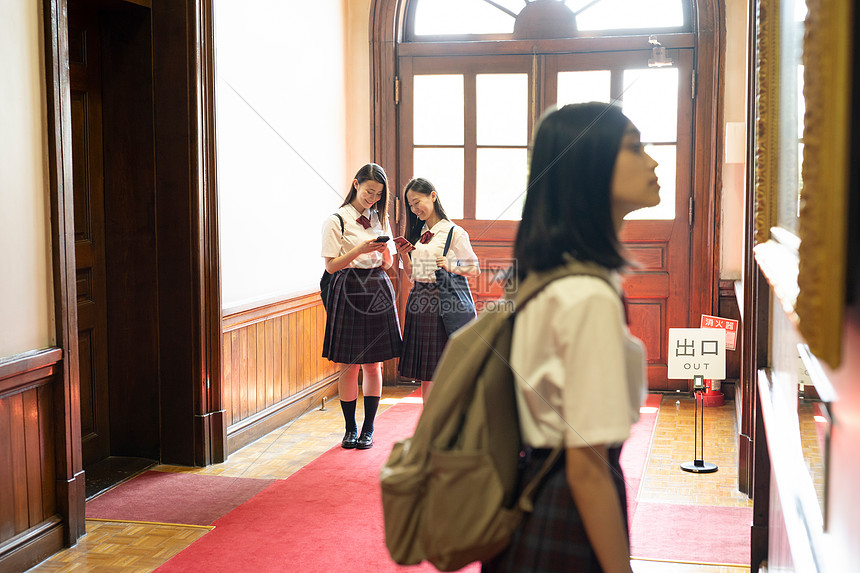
(580, 374)
(421, 252)
(362, 329)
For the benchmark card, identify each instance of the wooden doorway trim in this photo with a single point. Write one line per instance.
(69, 475)
(709, 90)
(189, 277)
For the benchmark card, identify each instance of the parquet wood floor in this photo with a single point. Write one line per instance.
(142, 547)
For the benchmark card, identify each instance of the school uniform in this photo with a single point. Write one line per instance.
(424, 335)
(581, 381)
(362, 326)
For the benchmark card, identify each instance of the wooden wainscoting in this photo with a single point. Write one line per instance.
(273, 369)
(30, 528)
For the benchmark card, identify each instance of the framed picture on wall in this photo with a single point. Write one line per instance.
(802, 163)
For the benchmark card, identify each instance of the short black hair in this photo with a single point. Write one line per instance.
(567, 211)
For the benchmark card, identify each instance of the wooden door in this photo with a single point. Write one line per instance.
(659, 101)
(465, 124)
(88, 170)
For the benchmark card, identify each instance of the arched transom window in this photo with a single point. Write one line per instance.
(573, 17)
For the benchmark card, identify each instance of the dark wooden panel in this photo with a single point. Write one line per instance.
(88, 147)
(34, 462)
(129, 229)
(650, 257)
(19, 462)
(646, 320)
(7, 486)
(26, 445)
(647, 285)
(728, 308)
(85, 359)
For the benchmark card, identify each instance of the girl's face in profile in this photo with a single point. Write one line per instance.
(368, 193)
(423, 206)
(634, 182)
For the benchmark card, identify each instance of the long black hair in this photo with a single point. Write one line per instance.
(413, 223)
(374, 172)
(568, 204)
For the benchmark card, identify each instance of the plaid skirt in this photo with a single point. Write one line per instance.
(424, 335)
(361, 323)
(552, 538)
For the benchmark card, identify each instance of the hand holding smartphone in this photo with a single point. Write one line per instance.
(403, 244)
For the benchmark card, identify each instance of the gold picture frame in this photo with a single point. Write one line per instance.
(806, 265)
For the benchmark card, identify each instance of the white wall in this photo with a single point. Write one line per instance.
(734, 102)
(26, 300)
(285, 154)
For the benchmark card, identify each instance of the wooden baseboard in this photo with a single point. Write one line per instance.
(243, 433)
(33, 546)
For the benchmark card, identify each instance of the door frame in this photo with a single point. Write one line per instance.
(191, 409)
(386, 29)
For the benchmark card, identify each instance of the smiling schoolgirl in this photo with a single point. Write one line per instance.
(427, 229)
(362, 329)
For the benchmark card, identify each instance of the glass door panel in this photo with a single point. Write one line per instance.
(502, 126)
(666, 157)
(584, 86)
(438, 105)
(502, 109)
(444, 167)
(650, 100)
(438, 136)
(501, 180)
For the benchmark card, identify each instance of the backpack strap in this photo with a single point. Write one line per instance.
(448, 242)
(536, 282)
(339, 218)
(526, 500)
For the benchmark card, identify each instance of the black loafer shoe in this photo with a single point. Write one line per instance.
(365, 441)
(350, 440)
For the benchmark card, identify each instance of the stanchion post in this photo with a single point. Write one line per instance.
(699, 465)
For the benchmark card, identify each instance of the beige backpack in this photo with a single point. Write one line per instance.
(449, 493)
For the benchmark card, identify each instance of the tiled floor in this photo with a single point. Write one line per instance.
(115, 546)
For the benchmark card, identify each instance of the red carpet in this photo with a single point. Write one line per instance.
(325, 517)
(674, 532)
(164, 497)
(692, 533)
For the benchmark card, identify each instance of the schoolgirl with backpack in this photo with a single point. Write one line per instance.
(516, 458)
(362, 329)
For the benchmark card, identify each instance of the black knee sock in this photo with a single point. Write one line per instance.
(371, 403)
(349, 414)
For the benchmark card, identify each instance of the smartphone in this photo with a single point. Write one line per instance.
(401, 240)
(382, 239)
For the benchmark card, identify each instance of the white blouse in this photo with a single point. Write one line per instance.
(580, 373)
(460, 252)
(353, 235)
